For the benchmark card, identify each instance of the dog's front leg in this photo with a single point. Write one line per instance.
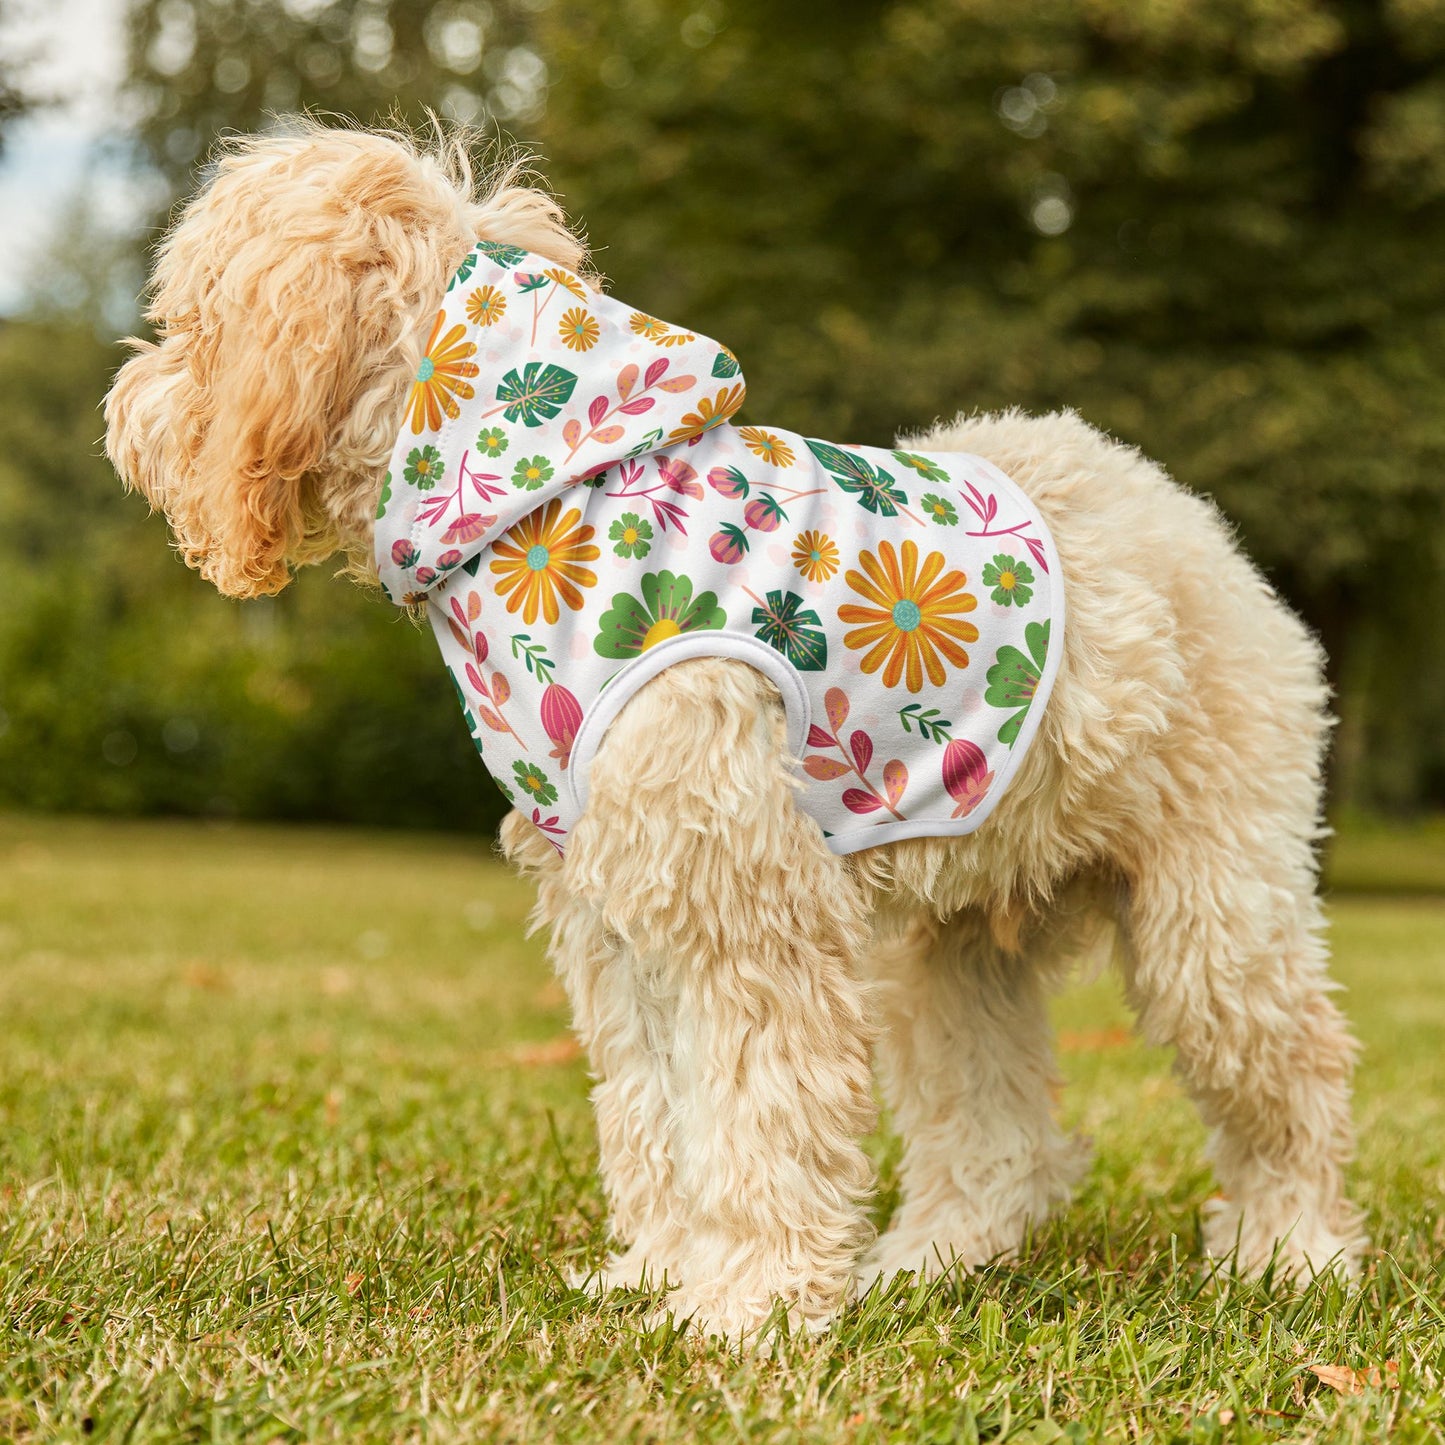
(622, 1013)
(738, 929)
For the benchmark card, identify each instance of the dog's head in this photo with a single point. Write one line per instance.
(290, 302)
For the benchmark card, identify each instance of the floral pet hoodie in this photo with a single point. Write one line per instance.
(573, 501)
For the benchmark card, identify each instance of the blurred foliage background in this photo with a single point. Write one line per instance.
(1214, 227)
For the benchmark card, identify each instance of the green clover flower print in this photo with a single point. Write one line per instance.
(492, 441)
(423, 468)
(632, 534)
(530, 473)
(533, 783)
(939, 510)
(1014, 679)
(929, 471)
(1010, 579)
(384, 498)
(666, 609)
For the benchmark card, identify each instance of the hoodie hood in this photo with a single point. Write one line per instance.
(528, 385)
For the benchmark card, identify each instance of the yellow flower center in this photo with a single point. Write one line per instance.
(629, 535)
(424, 467)
(1007, 581)
(660, 631)
(939, 510)
(534, 782)
(534, 474)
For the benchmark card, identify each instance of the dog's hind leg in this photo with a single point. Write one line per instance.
(740, 931)
(966, 1059)
(1225, 961)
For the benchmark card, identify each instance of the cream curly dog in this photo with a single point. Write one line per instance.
(732, 992)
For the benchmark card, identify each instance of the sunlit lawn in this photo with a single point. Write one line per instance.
(293, 1146)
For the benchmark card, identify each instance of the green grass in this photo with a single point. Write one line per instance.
(284, 1154)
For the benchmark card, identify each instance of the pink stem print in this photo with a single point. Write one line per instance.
(857, 755)
(496, 693)
(468, 525)
(985, 508)
(632, 401)
(677, 476)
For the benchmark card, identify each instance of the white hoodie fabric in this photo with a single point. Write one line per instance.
(572, 499)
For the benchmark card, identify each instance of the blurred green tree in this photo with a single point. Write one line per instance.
(1216, 229)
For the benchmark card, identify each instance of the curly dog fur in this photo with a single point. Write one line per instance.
(731, 1005)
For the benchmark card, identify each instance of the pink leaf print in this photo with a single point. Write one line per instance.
(467, 528)
(626, 380)
(857, 801)
(677, 383)
(461, 616)
(607, 434)
(817, 738)
(824, 769)
(638, 406)
(1037, 548)
(861, 746)
(572, 433)
(474, 606)
(475, 678)
(835, 704)
(597, 410)
(655, 371)
(895, 780)
(501, 689)
(479, 646)
(965, 775)
(492, 720)
(459, 634)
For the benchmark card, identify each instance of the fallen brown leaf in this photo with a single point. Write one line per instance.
(202, 975)
(1347, 1381)
(554, 1051)
(1096, 1041)
(354, 1283)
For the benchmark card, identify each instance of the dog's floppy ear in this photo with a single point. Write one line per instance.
(284, 300)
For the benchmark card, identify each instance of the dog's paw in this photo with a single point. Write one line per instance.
(898, 1253)
(1299, 1245)
(633, 1270)
(753, 1324)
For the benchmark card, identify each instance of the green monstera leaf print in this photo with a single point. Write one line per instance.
(666, 609)
(537, 394)
(795, 630)
(1014, 679)
(725, 365)
(463, 271)
(502, 255)
(873, 488)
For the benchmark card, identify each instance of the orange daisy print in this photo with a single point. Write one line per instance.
(772, 449)
(711, 411)
(486, 306)
(910, 621)
(815, 555)
(441, 377)
(579, 329)
(539, 561)
(567, 281)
